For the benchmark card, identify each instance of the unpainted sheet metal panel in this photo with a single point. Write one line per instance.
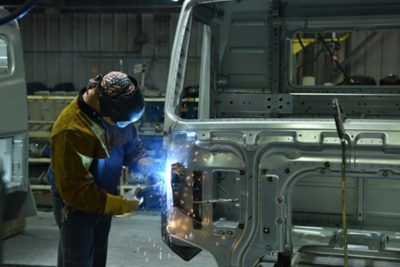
(14, 132)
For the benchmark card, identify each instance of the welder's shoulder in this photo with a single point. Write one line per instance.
(75, 131)
(80, 139)
(73, 124)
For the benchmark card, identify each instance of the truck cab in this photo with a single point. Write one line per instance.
(18, 200)
(258, 172)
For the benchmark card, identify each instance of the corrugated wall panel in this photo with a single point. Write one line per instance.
(148, 29)
(380, 57)
(80, 70)
(66, 45)
(39, 63)
(120, 28)
(93, 32)
(373, 58)
(53, 48)
(130, 33)
(390, 54)
(357, 62)
(62, 48)
(107, 37)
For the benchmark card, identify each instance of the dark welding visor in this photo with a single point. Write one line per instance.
(123, 111)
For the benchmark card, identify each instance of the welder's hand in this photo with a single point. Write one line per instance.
(130, 205)
(117, 205)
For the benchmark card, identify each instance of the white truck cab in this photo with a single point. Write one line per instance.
(18, 201)
(257, 166)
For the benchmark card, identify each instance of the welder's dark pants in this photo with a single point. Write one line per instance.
(83, 236)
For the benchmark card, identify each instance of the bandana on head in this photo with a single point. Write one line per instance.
(115, 84)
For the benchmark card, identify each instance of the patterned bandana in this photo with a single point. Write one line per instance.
(115, 84)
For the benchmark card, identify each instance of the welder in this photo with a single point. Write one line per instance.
(91, 140)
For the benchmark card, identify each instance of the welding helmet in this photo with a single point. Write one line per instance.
(120, 98)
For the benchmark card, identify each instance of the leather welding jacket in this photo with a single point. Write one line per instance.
(87, 158)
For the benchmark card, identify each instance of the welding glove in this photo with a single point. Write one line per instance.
(117, 205)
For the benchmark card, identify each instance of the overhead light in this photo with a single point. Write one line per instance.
(175, 0)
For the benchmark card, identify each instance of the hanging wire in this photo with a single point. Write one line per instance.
(19, 13)
(335, 59)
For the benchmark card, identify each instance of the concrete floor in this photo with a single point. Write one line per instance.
(134, 241)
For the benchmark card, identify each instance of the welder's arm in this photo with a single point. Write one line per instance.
(133, 149)
(136, 156)
(75, 184)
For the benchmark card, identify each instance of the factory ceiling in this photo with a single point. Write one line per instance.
(96, 5)
(291, 8)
